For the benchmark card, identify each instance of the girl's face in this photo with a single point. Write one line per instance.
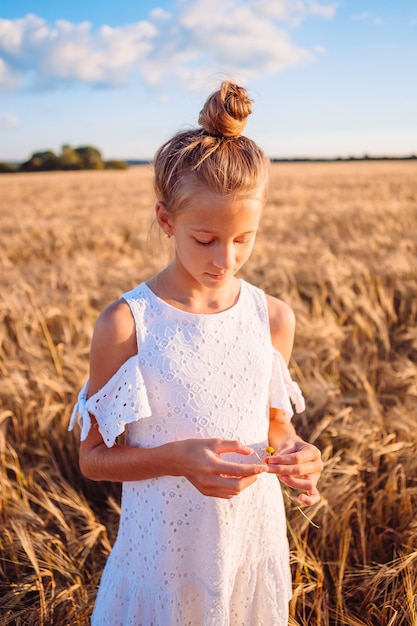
(214, 235)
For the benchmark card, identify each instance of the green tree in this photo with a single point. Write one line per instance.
(90, 158)
(114, 164)
(70, 159)
(82, 158)
(41, 162)
(7, 168)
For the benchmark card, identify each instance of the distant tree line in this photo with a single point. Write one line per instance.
(82, 158)
(89, 158)
(365, 157)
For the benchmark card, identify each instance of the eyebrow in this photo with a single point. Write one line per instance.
(211, 232)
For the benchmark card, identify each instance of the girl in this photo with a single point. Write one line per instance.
(192, 367)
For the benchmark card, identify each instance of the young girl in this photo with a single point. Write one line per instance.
(192, 367)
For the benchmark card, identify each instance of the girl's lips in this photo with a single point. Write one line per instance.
(217, 276)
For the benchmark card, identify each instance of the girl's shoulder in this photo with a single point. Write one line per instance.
(113, 343)
(282, 325)
(115, 322)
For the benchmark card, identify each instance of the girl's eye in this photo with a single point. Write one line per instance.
(207, 243)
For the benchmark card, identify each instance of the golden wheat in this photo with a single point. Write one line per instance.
(339, 243)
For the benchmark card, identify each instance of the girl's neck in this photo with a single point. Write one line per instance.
(168, 286)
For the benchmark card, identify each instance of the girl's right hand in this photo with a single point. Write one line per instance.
(199, 460)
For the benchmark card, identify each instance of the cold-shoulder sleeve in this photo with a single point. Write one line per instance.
(285, 394)
(122, 400)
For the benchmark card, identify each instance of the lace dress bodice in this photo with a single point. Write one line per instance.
(181, 557)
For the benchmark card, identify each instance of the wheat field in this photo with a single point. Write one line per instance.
(338, 242)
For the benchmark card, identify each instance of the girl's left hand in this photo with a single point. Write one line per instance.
(298, 465)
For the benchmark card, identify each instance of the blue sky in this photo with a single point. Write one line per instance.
(328, 78)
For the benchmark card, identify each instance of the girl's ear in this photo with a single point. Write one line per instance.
(163, 218)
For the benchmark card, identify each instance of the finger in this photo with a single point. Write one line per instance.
(312, 497)
(237, 485)
(304, 483)
(239, 470)
(232, 445)
(296, 470)
(228, 487)
(295, 457)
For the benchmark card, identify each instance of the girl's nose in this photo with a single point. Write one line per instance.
(225, 257)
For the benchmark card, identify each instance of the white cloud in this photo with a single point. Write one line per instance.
(241, 37)
(223, 36)
(367, 17)
(160, 14)
(8, 121)
(294, 11)
(70, 52)
(8, 79)
(360, 17)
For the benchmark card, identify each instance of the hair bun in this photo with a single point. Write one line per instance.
(226, 111)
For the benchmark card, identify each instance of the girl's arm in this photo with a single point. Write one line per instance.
(199, 460)
(297, 463)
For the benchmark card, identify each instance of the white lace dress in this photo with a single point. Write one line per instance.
(181, 557)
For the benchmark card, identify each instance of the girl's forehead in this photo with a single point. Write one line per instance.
(206, 200)
(211, 212)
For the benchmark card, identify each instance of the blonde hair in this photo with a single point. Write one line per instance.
(215, 156)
